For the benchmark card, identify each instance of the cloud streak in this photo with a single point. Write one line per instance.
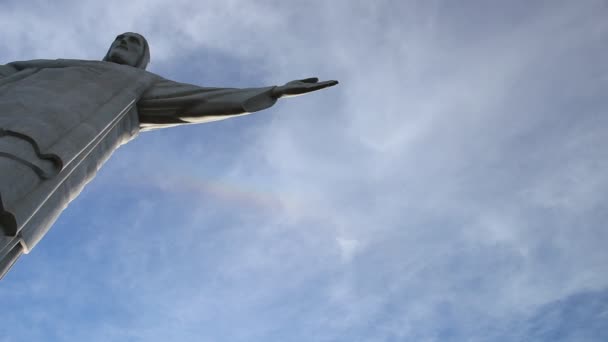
(452, 187)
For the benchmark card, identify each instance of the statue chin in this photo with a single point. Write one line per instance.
(122, 58)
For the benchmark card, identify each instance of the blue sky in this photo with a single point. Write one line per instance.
(453, 187)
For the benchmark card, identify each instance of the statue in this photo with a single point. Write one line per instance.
(60, 120)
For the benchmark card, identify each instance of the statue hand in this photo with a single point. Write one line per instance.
(299, 87)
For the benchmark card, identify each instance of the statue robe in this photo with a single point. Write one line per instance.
(60, 120)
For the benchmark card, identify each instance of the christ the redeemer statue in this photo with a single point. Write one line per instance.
(60, 120)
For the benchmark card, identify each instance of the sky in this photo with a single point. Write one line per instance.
(452, 187)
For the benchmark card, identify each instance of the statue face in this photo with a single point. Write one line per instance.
(126, 49)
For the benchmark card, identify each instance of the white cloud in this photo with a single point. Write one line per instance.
(452, 180)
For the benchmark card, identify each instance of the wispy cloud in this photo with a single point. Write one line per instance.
(450, 188)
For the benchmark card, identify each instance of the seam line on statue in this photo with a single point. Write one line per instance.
(103, 132)
(86, 149)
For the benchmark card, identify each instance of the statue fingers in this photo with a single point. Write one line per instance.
(310, 80)
(321, 85)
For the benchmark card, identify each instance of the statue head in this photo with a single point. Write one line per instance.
(129, 49)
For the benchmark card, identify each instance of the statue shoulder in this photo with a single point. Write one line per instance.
(51, 63)
(7, 70)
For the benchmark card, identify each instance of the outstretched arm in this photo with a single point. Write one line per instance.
(170, 103)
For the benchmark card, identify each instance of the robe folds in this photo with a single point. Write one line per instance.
(60, 120)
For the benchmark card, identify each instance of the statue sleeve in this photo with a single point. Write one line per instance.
(169, 103)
